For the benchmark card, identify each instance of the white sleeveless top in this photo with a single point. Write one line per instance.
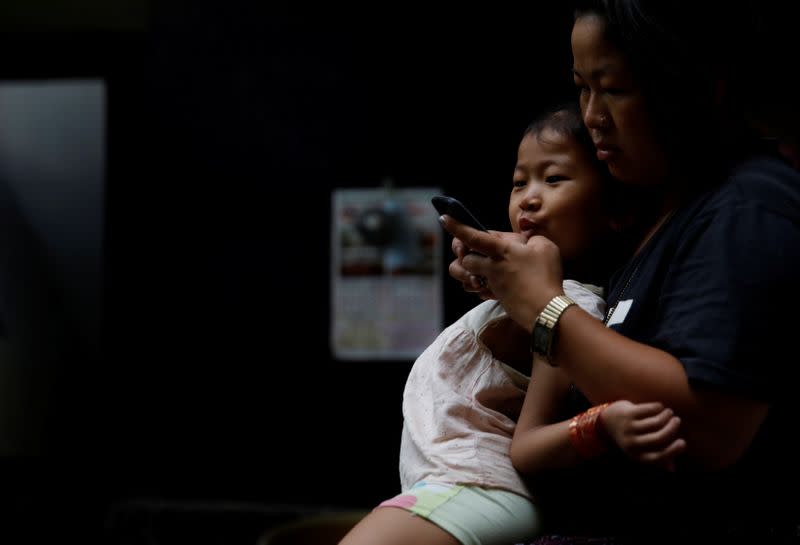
(460, 404)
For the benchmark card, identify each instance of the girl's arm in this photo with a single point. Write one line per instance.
(539, 444)
(647, 432)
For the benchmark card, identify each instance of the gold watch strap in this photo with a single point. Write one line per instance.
(552, 311)
(544, 328)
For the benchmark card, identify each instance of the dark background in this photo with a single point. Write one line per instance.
(229, 126)
(223, 163)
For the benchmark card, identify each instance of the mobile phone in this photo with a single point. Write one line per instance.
(453, 207)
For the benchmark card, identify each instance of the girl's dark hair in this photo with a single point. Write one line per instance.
(566, 120)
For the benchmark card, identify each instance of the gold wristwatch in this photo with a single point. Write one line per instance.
(543, 337)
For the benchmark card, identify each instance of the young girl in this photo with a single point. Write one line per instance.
(465, 392)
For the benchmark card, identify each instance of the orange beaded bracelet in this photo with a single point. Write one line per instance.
(586, 434)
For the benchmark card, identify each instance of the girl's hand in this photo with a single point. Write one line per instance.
(647, 432)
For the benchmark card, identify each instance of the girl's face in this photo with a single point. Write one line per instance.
(558, 193)
(614, 108)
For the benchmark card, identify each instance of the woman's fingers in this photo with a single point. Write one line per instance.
(470, 281)
(459, 248)
(474, 239)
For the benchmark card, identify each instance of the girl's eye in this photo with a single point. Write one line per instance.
(519, 183)
(554, 179)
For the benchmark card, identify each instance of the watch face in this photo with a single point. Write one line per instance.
(541, 336)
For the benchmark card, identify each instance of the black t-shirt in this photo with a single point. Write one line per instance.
(717, 287)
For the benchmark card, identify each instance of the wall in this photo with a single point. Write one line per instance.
(228, 127)
(219, 246)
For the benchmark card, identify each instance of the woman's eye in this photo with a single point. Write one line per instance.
(554, 179)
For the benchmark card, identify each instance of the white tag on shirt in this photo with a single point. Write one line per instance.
(620, 312)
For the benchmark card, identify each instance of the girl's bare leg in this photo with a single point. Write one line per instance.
(395, 526)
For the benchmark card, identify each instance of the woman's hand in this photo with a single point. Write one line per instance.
(647, 432)
(471, 283)
(523, 274)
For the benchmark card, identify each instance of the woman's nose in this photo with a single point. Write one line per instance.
(594, 117)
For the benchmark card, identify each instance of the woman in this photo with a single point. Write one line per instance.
(700, 319)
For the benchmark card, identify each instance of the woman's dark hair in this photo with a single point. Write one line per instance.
(691, 59)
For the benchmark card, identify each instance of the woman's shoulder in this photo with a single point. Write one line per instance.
(765, 180)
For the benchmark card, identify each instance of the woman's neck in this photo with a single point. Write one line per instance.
(597, 265)
(586, 271)
(660, 218)
(654, 212)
